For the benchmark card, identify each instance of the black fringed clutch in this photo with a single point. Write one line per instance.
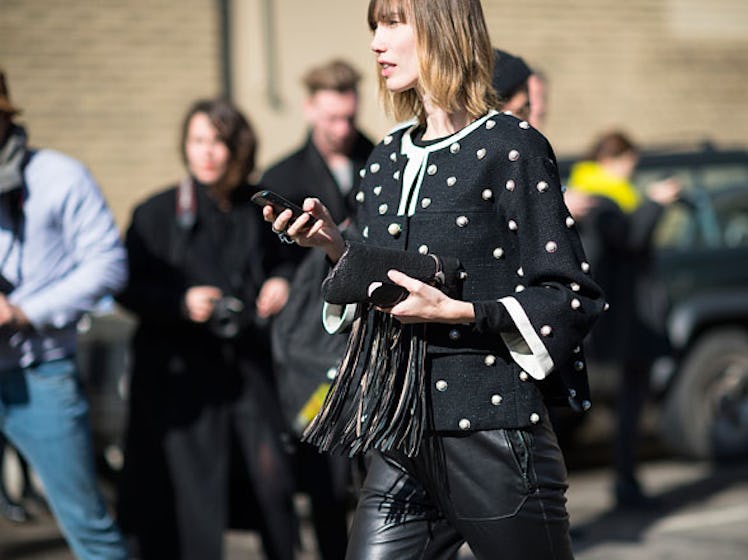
(378, 399)
(361, 265)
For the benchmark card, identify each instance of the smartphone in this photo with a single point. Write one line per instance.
(279, 204)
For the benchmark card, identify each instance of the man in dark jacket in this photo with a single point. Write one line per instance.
(326, 166)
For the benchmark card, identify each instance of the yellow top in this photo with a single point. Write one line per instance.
(592, 178)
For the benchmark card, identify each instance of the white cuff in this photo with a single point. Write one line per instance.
(337, 318)
(526, 347)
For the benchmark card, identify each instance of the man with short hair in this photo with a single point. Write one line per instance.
(326, 166)
(60, 253)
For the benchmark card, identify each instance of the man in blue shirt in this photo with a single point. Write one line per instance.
(60, 253)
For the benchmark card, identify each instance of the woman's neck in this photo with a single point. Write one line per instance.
(439, 123)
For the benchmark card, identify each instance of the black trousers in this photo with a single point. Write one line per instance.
(633, 390)
(502, 491)
(325, 479)
(183, 441)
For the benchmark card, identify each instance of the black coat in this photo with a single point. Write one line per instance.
(234, 251)
(490, 195)
(304, 353)
(305, 174)
(619, 248)
(187, 381)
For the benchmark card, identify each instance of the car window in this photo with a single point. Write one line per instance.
(728, 187)
(680, 226)
(731, 209)
(714, 213)
(678, 229)
(724, 177)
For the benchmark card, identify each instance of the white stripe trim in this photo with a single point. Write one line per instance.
(418, 157)
(526, 347)
(337, 318)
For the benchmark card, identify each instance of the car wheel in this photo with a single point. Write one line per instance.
(706, 412)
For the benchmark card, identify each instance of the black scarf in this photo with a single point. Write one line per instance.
(13, 158)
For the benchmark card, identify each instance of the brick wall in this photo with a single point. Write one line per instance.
(108, 81)
(669, 71)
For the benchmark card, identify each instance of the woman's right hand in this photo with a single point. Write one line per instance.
(324, 233)
(578, 203)
(200, 301)
(666, 191)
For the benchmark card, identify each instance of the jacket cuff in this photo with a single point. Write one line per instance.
(491, 317)
(524, 344)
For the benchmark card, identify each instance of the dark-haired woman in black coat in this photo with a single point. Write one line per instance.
(205, 275)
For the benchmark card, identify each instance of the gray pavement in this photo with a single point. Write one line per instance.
(704, 515)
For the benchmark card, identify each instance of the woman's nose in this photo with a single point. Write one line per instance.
(376, 44)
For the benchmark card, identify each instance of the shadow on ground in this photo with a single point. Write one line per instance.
(630, 526)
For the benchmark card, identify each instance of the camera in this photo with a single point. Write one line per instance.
(226, 320)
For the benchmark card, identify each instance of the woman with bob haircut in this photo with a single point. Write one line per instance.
(459, 180)
(204, 431)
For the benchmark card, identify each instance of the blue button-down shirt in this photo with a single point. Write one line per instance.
(63, 256)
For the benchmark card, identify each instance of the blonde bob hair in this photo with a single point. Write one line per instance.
(454, 52)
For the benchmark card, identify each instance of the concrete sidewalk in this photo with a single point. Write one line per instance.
(704, 515)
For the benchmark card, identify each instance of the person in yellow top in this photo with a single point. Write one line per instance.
(608, 178)
(616, 223)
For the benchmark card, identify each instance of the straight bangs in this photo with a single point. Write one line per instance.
(386, 10)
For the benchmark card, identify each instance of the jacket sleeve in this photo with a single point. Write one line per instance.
(155, 288)
(643, 222)
(556, 302)
(93, 243)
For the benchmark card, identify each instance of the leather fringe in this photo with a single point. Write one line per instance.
(378, 399)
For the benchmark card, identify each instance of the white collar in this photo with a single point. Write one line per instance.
(407, 146)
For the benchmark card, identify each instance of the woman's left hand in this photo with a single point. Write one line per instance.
(322, 233)
(273, 296)
(426, 304)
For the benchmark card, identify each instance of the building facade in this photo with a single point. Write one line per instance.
(109, 81)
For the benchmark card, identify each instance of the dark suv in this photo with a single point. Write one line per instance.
(702, 267)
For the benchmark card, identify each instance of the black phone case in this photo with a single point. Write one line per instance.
(265, 197)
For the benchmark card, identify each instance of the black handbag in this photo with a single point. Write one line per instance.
(304, 354)
(361, 265)
(378, 399)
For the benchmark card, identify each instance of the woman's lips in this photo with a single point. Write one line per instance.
(387, 68)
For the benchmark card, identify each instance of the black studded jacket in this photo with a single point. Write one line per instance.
(490, 195)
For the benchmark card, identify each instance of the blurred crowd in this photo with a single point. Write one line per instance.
(230, 359)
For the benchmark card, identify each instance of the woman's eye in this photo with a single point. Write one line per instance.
(389, 21)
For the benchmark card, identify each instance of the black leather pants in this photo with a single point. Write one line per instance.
(502, 491)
